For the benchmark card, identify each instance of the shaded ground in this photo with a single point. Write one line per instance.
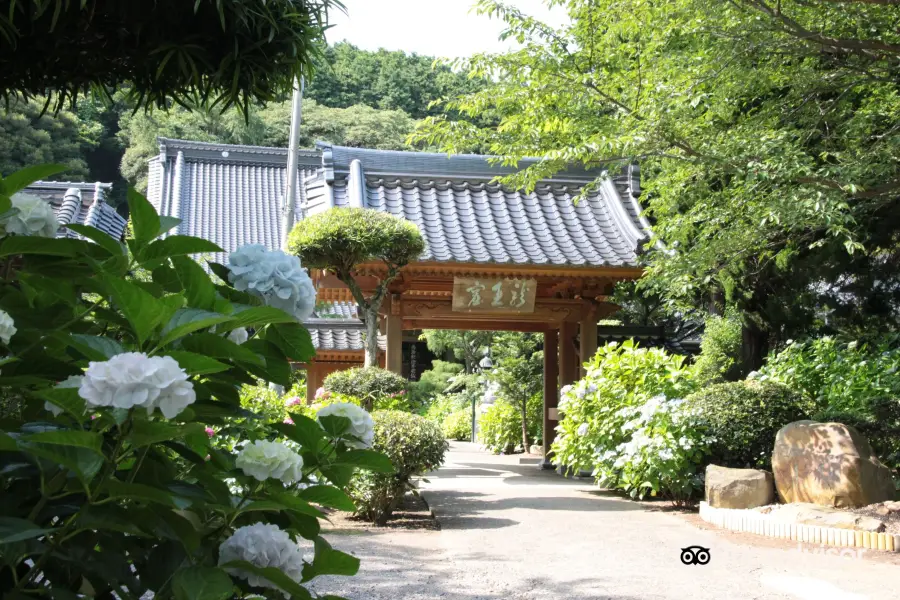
(413, 514)
(513, 532)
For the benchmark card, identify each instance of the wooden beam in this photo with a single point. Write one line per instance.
(587, 345)
(551, 393)
(394, 332)
(568, 357)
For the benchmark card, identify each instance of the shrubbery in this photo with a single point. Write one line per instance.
(743, 418)
(458, 426)
(500, 428)
(415, 446)
(432, 383)
(369, 384)
(720, 350)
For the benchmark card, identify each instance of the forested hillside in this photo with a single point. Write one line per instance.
(357, 98)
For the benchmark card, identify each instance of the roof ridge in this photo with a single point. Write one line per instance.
(179, 144)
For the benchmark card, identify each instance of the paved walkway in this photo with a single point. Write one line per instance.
(513, 532)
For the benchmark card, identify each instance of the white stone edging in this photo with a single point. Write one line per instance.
(749, 521)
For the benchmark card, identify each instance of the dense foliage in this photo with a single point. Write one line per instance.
(720, 350)
(340, 240)
(458, 425)
(369, 384)
(113, 480)
(765, 133)
(611, 418)
(743, 418)
(415, 446)
(500, 425)
(518, 381)
(432, 383)
(467, 346)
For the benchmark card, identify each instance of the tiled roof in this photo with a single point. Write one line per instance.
(80, 203)
(339, 334)
(230, 195)
(464, 217)
(337, 310)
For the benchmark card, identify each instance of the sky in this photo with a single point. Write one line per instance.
(441, 28)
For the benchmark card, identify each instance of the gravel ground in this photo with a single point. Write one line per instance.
(513, 532)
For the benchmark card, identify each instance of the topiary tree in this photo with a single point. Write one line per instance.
(341, 239)
(218, 51)
(367, 383)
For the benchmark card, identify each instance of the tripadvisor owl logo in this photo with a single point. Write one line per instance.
(695, 555)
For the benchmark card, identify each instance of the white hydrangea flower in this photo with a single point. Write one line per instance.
(264, 459)
(72, 381)
(276, 277)
(134, 379)
(239, 335)
(361, 424)
(34, 217)
(7, 327)
(262, 545)
(583, 429)
(565, 390)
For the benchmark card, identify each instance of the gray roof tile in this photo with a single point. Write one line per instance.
(80, 203)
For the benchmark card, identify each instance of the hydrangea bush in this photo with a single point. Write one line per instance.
(112, 483)
(620, 400)
(374, 386)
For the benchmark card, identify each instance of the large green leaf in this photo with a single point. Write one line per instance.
(138, 491)
(17, 530)
(329, 561)
(367, 459)
(166, 223)
(7, 443)
(257, 316)
(65, 398)
(144, 219)
(21, 179)
(96, 347)
(85, 463)
(178, 245)
(198, 288)
(202, 583)
(68, 437)
(293, 339)
(330, 496)
(142, 310)
(293, 503)
(220, 347)
(102, 239)
(144, 432)
(304, 431)
(275, 576)
(188, 320)
(197, 364)
(277, 370)
(24, 244)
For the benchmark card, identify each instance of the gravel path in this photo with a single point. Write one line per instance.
(513, 532)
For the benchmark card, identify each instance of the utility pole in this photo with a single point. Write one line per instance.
(290, 192)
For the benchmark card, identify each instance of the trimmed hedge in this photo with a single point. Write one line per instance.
(415, 446)
(369, 384)
(743, 418)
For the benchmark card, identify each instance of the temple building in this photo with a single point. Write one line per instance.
(80, 203)
(495, 258)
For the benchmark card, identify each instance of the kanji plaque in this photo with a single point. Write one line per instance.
(493, 295)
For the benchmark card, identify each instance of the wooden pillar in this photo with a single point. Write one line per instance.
(588, 339)
(394, 332)
(551, 393)
(568, 358)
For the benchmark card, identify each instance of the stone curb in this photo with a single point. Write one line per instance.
(764, 525)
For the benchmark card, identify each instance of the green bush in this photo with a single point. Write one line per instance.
(432, 382)
(415, 446)
(443, 405)
(500, 428)
(720, 350)
(619, 376)
(458, 425)
(113, 480)
(743, 418)
(879, 424)
(369, 384)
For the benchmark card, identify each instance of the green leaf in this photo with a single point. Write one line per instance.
(7, 443)
(293, 503)
(329, 561)
(23, 244)
(65, 398)
(197, 364)
(304, 431)
(335, 425)
(144, 218)
(178, 245)
(166, 223)
(138, 491)
(339, 475)
(220, 347)
(142, 310)
(202, 583)
(199, 289)
(220, 270)
(74, 438)
(83, 462)
(144, 433)
(102, 239)
(257, 316)
(293, 339)
(188, 320)
(277, 370)
(95, 347)
(21, 179)
(275, 576)
(367, 459)
(17, 530)
(330, 496)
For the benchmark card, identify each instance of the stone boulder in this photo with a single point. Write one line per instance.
(738, 488)
(824, 516)
(829, 464)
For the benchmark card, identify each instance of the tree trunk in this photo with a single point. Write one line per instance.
(525, 440)
(754, 347)
(371, 337)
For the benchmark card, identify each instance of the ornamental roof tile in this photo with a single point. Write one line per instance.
(82, 204)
